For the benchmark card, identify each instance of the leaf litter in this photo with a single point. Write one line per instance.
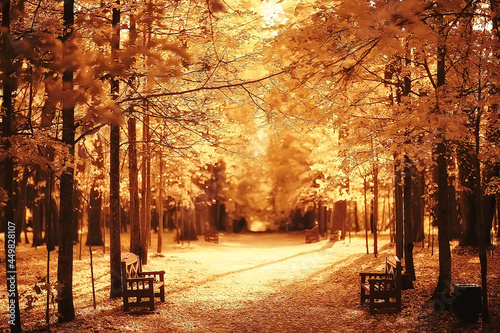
(254, 283)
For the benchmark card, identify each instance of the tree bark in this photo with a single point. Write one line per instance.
(66, 307)
(114, 172)
(160, 204)
(480, 223)
(8, 88)
(418, 206)
(94, 235)
(135, 225)
(398, 207)
(408, 227)
(365, 189)
(375, 209)
(442, 291)
(145, 222)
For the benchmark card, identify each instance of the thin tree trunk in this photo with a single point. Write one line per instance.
(365, 187)
(66, 307)
(375, 209)
(481, 225)
(408, 234)
(135, 221)
(114, 172)
(160, 204)
(442, 291)
(135, 224)
(145, 232)
(8, 172)
(398, 207)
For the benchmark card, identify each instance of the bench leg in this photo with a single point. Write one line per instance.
(162, 294)
(125, 303)
(372, 305)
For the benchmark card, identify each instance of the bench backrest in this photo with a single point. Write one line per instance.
(131, 265)
(393, 268)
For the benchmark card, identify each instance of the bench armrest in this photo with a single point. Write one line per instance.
(151, 273)
(140, 279)
(388, 284)
(371, 275)
(158, 274)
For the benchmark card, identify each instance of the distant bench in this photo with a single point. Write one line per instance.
(140, 288)
(383, 290)
(211, 235)
(312, 235)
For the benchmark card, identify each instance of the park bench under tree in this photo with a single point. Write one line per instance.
(383, 290)
(312, 235)
(211, 234)
(140, 288)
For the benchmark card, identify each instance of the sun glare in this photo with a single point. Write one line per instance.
(270, 11)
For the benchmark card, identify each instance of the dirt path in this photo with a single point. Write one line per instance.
(251, 283)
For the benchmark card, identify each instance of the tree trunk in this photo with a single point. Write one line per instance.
(365, 189)
(8, 88)
(134, 213)
(442, 291)
(135, 224)
(418, 206)
(37, 208)
(159, 206)
(145, 230)
(375, 209)
(65, 263)
(398, 207)
(94, 235)
(468, 195)
(114, 170)
(408, 235)
(481, 223)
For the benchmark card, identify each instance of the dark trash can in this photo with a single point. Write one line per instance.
(467, 302)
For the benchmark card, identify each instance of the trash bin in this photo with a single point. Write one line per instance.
(467, 302)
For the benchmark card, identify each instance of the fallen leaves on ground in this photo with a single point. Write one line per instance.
(255, 283)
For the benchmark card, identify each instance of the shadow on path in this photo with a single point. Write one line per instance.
(214, 277)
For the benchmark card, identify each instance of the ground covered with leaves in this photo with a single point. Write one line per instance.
(252, 283)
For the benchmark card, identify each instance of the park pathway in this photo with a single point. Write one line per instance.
(270, 288)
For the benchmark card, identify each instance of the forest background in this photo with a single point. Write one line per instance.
(378, 115)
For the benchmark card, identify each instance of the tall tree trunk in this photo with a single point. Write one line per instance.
(398, 207)
(145, 230)
(114, 170)
(160, 204)
(480, 222)
(442, 291)
(135, 225)
(94, 236)
(375, 209)
(418, 205)
(8, 88)
(408, 235)
(468, 195)
(365, 190)
(135, 222)
(65, 263)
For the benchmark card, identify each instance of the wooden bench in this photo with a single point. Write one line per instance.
(312, 235)
(139, 288)
(211, 235)
(383, 290)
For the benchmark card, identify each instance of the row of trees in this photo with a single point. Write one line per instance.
(79, 79)
(414, 82)
(257, 109)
